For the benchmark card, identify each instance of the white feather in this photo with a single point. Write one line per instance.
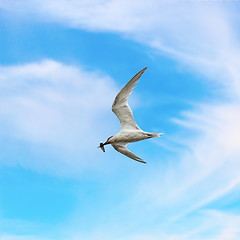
(130, 132)
(121, 147)
(120, 105)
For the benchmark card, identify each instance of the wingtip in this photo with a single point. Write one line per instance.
(141, 161)
(142, 71)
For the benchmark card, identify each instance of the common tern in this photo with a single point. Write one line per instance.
(130, 131)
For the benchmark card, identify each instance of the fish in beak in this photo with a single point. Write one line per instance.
(102, 147)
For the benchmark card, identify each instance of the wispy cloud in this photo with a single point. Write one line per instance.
(200, 37)
(21, 237)
(207, 225)
(198, 34)
(57, 106)
(216, 226)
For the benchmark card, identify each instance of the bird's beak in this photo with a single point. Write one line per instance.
(102, 147)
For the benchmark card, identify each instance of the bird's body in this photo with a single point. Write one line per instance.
(130, 136)
(130, 132)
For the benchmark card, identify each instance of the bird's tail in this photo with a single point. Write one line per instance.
(156, 134)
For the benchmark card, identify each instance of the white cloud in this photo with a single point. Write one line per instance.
(198, 34)
(94, 14)
(207, 225)
(21, 237)
(58, 107)
(211, 225)
(200, 37)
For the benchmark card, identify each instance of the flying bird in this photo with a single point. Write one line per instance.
(130, 131)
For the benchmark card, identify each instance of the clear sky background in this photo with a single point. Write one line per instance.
(62, 63)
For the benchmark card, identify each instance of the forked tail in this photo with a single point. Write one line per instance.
(156, 134)
(153, 135)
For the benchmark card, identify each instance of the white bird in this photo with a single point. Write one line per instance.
(130, 132)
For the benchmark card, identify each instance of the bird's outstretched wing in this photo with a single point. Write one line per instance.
(120, 105)
(121, 147)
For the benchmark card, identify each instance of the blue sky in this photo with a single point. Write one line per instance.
(61, 65)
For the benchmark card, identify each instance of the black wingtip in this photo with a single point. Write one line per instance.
(141, 71)
(141, 161)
